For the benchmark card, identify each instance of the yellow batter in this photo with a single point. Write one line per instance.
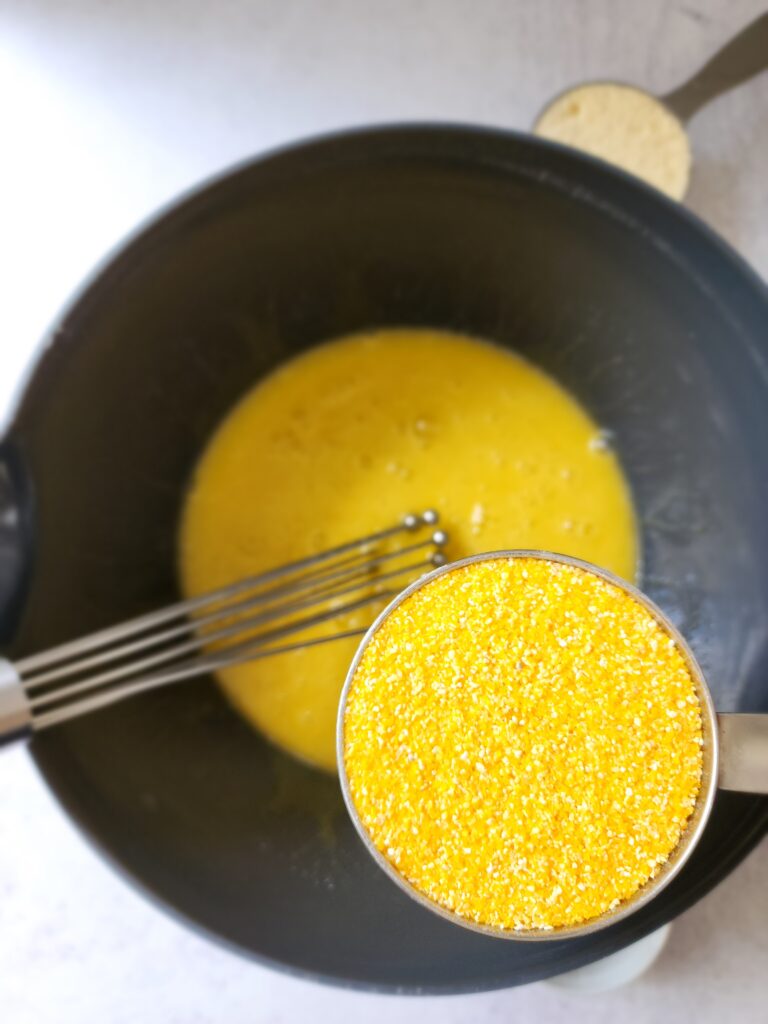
(344, 440)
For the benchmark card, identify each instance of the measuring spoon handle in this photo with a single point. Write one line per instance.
(745, 56)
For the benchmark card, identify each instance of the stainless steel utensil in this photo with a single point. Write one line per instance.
(735, 757)
(741, 58)
(216, 630)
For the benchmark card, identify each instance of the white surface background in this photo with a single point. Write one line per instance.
(110, 107)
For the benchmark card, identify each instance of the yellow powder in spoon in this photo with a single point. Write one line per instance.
(625, 126)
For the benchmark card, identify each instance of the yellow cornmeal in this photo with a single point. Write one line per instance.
(522, 742)
(349, 437)
(625, 126)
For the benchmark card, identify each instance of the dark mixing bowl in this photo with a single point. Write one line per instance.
(656, 326)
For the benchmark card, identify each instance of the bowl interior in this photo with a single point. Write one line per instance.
(657, 330)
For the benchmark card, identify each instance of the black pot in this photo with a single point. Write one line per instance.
(656, 326)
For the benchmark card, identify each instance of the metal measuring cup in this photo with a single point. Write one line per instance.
(735, 757)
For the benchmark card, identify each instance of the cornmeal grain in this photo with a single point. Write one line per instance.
(626, 126)
(522, 741)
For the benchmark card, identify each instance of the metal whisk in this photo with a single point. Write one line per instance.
(241, 622)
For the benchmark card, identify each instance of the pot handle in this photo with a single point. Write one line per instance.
(16, 536)
(743, 753)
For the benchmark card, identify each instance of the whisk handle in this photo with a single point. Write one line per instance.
(15, 712)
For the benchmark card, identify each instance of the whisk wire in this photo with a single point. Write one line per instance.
(236, 629)
(148, 621)
(213, 631)
(315, 586)
(186, 671)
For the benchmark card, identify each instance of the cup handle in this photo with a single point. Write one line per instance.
(743, 753)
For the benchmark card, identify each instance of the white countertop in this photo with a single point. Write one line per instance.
(108, 109)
